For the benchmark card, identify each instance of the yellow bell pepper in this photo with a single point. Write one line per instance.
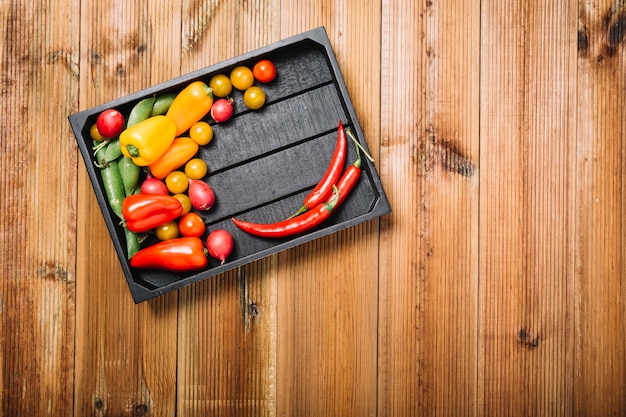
(146, 141)
(180, 151)
(190, 106)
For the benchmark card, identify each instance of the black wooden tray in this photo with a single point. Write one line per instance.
(261, 163)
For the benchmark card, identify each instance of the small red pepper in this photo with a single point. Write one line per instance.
(293, 225)
(143, 212)
(178, 255)
(323, 189)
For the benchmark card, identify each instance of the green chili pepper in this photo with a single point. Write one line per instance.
(140, 112)
(162, 104)
(130, 173)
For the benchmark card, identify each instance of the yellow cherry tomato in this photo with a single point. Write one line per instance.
(242, 78)
(177, 182)
(95, 134)
(184, 201)
(201, 133)
(221, 85)
(254, 97)
(167, 231)
(196, 169)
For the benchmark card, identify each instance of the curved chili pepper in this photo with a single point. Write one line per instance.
(143, 212)
(293, 225)
(324, 188)
(179, 254)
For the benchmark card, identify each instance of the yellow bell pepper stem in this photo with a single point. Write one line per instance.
(190, 106)
(146, 141)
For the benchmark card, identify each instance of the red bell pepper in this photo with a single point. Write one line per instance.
(143, 212)
(178, 255)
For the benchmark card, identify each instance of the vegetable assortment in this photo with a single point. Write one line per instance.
(154, 183)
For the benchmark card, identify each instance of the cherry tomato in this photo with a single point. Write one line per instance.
(185, 201)
(196, 168)
(264, 71)
(242, 78)
(177, 182)
(254, 97)
(167, 231)
(110, 123)
(191, 225)
(221, 85)
(201, 133)
(95, 135)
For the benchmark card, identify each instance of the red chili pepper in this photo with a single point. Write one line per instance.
(294, 225)
(348, 180)
(352, 174)
(323, 189)
(144, 212)
(178, 255)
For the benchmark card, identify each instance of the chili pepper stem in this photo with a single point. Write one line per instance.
(358, 145)
(330, 206)
(301, 210)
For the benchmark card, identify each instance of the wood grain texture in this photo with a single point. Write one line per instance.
(429, 272)
(38, 206)
(600, 384)
(528, 142)
(495, 287)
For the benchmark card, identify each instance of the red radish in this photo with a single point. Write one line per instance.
(110, 123)
(200, 194)
(220, 244)
(153, 185)
(222, 110)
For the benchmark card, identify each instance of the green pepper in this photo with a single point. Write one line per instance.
(146, 141)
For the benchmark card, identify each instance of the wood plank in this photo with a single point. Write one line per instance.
(327, 289)
(227, 345)
(600, 378)
(429, 267)
(527, 168)
(38, 205)
(126, 353)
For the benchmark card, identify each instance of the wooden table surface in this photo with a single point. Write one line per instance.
(495, 287)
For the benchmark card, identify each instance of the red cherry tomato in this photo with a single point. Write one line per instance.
(110, 123)
(264, 71)
(191, 225)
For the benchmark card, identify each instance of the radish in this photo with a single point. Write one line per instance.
(153, 185)
(222, 110)
(201, 195)
(220, 244)
(110, 123)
